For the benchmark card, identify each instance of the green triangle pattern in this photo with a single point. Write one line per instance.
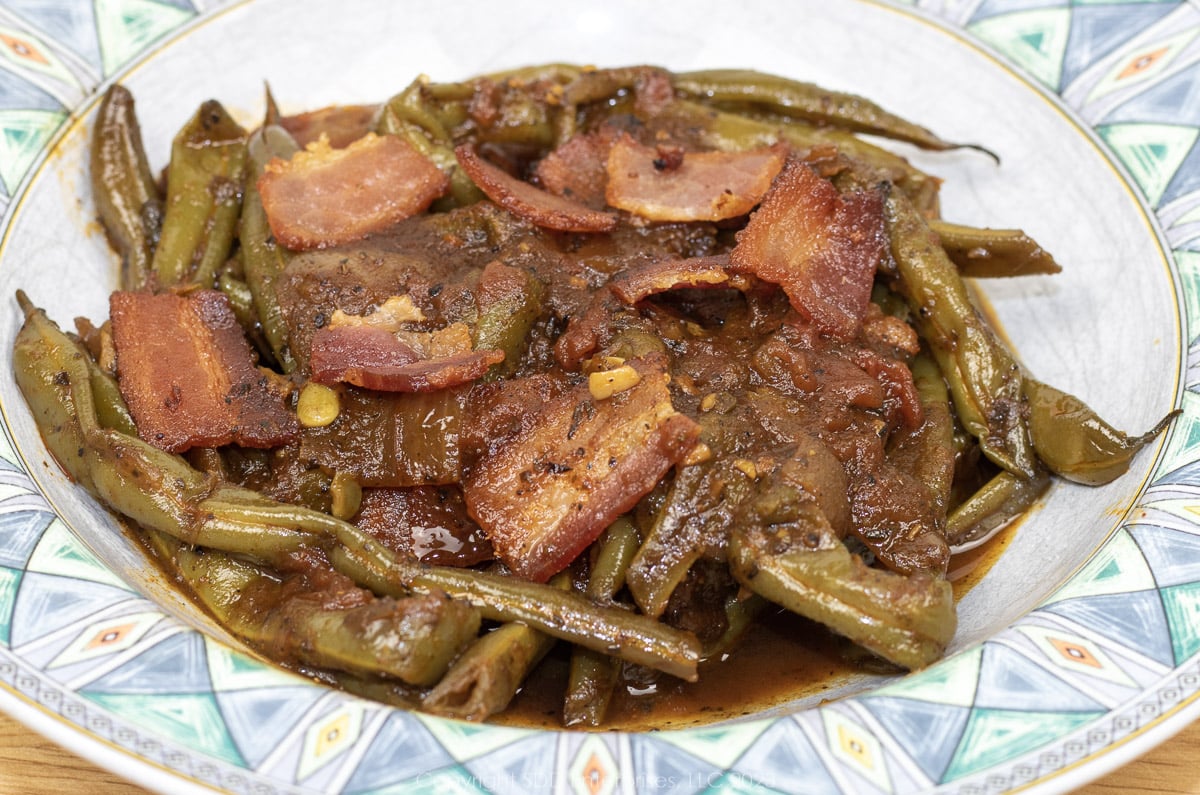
(10, 582)
(465, 741)
(61, 553)
(1117, 567)
(1188, 265)
(192, 720)
(951, 681)
(1182, 606)
(720, 745)
(994, 736)
(1185, 436)
(126, 27)
(1151, 152)
(231, 670)
(23, 136)
(1037, 40)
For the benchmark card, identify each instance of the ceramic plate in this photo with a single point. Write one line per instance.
(1077, 646)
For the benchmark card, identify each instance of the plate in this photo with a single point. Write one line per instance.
(1077, 646)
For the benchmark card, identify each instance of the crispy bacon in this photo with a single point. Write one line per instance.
(820, 246)
(185, 370)
(690, 186)
(325, 196)
(640, 282)
(548, 492)
(578, 168)
(342, 125)
(522, 199)
(339, 350)
(375, 358)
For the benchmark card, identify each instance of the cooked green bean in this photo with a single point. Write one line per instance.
(204, 197)
(1075, 442)
(483, 681)
(999, 501)
(126, 195)
(263, 259)
(784, 550)
(984, 380)
(989, 253)
(412, 639)
(738, 88)
(592, 675)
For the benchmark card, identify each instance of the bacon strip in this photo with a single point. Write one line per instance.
(342, 125)
(578, 168)
(337, 350)
(638, 283)
(547, 493)
(522, 199)
(820, 246)
(185, 370)
(700, 186)
(374, 358)
(325, 196)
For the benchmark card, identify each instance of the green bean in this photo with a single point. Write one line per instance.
(505, 323)
(412, 639)
(52, 373)
(615, 550)
(560, 614)
(204, 196)
(741, 611)
(483, 681)
(592, 675)
(984, 379)
(989, 253)
(996, 503)
(1075, 442)
(742, 88)
(784, 549)
(670, 547)
(263, 259)
(126, 195)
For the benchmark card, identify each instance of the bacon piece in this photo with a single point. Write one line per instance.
(342, 125)
(325, 196)
(374, 358)
(658, 277)
(821, 247)
(427, 375)
(524, 200)
(185, 370)
(544, 495)
(704, 186)
(578, 169)
(343, 349)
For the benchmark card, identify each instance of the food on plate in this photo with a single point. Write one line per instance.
(411, 396)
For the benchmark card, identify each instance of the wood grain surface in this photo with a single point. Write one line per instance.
(32, 765)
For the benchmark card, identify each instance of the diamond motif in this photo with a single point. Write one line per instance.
(857, 747)
(593, 771)
(106, 637)
(328, 738)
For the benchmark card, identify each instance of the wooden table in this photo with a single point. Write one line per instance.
(31, 765)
